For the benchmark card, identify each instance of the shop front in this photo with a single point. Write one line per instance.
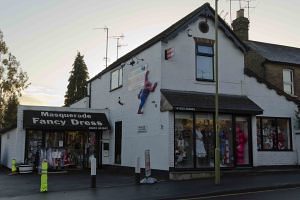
(67, 140)
(195, 134)
(194, 140)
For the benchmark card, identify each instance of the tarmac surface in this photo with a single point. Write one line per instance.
(76, 185)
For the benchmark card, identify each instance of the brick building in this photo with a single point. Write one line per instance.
(278, 65)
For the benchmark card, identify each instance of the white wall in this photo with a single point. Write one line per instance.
(133, 143)
(82, 103)
(179, 73)
(8, 147)
(273, 105)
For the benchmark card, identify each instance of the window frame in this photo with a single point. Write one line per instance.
(119, 80)
(197, 53)
(234, 116)
(290, 83)
(276, 122)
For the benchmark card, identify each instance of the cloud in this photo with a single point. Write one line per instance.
(41, 96)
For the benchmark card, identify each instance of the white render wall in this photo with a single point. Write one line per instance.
(133, 143)
(179, 73)
(273, 105)
(8, 144)
(82, 103)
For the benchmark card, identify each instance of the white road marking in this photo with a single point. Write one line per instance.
(240, 193)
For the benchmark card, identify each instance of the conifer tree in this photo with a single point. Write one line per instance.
(10, 112)
(77, 87)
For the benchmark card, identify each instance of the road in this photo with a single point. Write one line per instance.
(276, 194)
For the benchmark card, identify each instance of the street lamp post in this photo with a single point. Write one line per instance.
(217, 147)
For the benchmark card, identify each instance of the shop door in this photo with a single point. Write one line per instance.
(118, 142)
(242, 141)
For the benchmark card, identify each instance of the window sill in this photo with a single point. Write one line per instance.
(116, 88)
(204, 82)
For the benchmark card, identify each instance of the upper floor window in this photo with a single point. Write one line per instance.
(288, 82)
(204, 62)
(116, 79)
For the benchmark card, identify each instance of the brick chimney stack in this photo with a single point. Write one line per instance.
(240, 25)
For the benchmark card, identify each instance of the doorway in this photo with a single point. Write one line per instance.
(118, 142)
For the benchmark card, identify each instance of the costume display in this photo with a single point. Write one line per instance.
(224, 148)
(60, 150)
(241, 141)
(200, 149)
(281, 140)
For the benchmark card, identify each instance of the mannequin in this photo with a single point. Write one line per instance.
(200, 150)
(241, 140)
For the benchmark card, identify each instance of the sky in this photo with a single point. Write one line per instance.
(45, 35)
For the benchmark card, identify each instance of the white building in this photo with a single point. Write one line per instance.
(183, 100)
(176, 122)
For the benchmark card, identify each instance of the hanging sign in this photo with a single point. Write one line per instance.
(58, 120)
(169, 53)
(136, 77)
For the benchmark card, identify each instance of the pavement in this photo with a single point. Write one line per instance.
(76, 185)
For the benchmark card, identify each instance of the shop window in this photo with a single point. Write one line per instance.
(288, 85)
(184, 140)
(34, 143)
(204, 137)
(273, 134)
(242, 140)
(116, 79)
(204, 62)
(226, 141)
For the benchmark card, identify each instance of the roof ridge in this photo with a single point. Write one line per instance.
(272, 44)
(172, 30)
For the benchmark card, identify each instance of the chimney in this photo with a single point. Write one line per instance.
(240, 25)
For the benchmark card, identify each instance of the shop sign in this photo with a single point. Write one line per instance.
(136, 77)
(184, 108)
(58, 120)
(142, 129)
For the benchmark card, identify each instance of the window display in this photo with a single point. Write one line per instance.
(226, 141)
(241, 136)
(184, 140)
(195, 140)
(204, 136)
(60, 149)
(34, 144)
(273, 133)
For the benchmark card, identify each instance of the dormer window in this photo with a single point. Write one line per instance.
(288, 81)
(116, 79)
(204, 60)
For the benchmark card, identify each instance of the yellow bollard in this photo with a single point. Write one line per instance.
(44, 177)
(13, 166)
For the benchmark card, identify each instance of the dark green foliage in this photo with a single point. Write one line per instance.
(77, 87)
(10, 112)
(12, 82)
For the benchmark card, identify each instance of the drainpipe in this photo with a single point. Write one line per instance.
(90, 94)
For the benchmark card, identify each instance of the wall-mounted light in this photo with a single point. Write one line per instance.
(189, 32)
(120, 102)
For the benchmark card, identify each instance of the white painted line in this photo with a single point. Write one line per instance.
(240, 193)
